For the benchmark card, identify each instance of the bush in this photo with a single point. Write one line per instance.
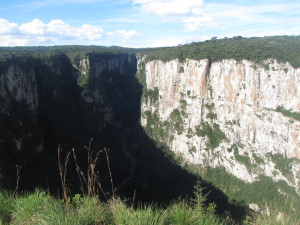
(288, 113)
(214, 134)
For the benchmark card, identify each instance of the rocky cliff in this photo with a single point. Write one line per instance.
(210, 113)
(47, 101)
(233, 114)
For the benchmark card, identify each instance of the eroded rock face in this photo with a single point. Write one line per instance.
(232, 114)
(106, 74)
(42, 106)
(19, 85)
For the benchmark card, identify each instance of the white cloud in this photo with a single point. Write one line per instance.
(9, 40)
(6, 27)
(189, 12)
(193, 22)
(37, 32)
(35, 27)
(169, 7)
(254, 13)
(127, 34)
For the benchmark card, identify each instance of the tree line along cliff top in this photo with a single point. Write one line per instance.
(256, 49)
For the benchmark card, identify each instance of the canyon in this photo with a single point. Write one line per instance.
(199, 115)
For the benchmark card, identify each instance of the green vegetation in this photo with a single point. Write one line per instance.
(190, 133)
(176, 118)
(141, 75)
(256, 49)
(210, 115)
(181, 69)
(41, 208)
(192, 150)
(232, 122)
(153, 123)
(151, 94)
(83, 79)
(155, 128)
(288, 113)
(210, 107)
(264, 192)
(183, 105)
(6, 206)
(283, 164)
(244, 159)
(258, 159)
(214, 134)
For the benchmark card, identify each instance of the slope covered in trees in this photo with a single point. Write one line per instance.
(256, 49)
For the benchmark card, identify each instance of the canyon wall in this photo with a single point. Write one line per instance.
(46, 102)
(232, 114)
(237, 115)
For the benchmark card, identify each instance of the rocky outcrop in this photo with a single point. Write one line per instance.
(103, 75)
(20, 86)
(42, 105)
(234, 114)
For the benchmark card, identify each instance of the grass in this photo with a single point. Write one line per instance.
(6, 206)
(40, 207)
(276, 214)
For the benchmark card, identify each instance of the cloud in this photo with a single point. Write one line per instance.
(253, 13)
(169, 7)
(6, 27)
(193, 22)
(189, 11)
(35, 27)
(127, 34)
(36, 32)
(40, 4)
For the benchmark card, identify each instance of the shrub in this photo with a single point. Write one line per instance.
(288, 113)
(214, 134)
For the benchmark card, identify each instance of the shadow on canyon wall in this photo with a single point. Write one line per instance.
(137, 164)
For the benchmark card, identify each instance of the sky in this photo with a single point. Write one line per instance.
(142, 23)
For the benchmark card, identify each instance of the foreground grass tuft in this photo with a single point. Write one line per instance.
(146, 215)
(41, 208)
(6, 206)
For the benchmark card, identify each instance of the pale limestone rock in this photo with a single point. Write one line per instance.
(254, 207)
(245, 97)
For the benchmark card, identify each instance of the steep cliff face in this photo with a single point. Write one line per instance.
(18, 85)
(19, 133)
(237, 115)
(106, 81)
(46, 103)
